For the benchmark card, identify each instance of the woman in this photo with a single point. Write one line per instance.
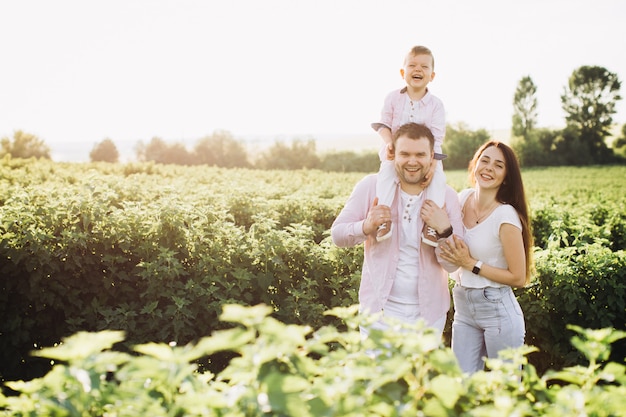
(494, 257)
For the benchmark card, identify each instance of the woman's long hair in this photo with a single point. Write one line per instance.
(511, 192)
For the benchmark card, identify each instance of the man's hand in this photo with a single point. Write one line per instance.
(377, 215)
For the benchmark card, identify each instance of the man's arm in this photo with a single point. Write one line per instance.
(347, 229)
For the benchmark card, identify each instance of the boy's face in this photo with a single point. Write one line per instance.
(418, 71)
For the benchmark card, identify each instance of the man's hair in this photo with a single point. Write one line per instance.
(414, 131)
(420, 50)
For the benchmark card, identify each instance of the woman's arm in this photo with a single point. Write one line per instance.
(457, 252)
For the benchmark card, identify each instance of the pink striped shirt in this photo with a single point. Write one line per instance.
(381, 258)
(431, 113)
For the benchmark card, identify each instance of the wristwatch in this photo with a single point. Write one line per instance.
(476, 268)
(446, 233)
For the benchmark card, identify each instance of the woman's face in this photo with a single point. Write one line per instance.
(490, 170)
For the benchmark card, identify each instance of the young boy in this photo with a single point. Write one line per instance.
(412, 103)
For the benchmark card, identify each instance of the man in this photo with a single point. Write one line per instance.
(401, 277)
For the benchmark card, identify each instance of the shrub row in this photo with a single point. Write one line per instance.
(159, 274)
(156, 251)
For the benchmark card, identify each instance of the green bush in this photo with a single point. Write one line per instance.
(156, 251)
(291, 370)
(585, 286)
(91, 252)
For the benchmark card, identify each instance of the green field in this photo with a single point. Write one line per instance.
(157, 252)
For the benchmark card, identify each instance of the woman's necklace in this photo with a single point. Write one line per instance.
(485, 213)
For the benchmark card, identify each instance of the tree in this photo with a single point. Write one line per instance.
(524, 108)
(156, 150)
(161, 152)
(570, 148)
(280, 156)
(589, 101)
(350, 161)
(153, 151)
(222, 150)
(25, 145)
(461, 144)
(105, 151)
(177, 153)
(537, 149)
(620, 143)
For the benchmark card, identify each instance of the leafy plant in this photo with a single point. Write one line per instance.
(288, 370)
(157, 250)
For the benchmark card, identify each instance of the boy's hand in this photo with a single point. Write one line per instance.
(390, 155)
(430, 174)
(435, 216)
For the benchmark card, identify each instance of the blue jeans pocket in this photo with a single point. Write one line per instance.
(493, 295)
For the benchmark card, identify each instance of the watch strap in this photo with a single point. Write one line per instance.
(446, 233)
(476, 268)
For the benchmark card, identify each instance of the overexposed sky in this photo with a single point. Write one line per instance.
(79, 71)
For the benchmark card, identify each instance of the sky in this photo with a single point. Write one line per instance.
(74, 72)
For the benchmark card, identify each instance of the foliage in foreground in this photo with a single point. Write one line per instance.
(291, 370)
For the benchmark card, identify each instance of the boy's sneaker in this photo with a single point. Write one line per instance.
(429, 236)
(383, 233)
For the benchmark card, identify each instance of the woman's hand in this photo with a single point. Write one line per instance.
(455, 251)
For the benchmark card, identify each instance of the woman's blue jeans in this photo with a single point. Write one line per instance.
(486, 320)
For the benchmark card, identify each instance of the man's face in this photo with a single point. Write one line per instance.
(412, 159)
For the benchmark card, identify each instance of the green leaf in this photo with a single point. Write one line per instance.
(157, 350)
(447, 389)
(149, 308)
(285, 394)
(223, 340)
(248, 316)
(82, 345)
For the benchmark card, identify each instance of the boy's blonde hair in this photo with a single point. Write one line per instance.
(420, 50)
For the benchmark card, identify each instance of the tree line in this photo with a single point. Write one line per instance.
(589, 101)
